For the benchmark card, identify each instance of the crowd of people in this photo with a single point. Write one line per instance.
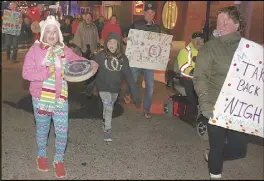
(70, 39)
(69, 28)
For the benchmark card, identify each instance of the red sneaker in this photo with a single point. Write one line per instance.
(59, 169)
(127, 99)
(42, 164)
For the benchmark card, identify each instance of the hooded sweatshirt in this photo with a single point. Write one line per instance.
(112, 69)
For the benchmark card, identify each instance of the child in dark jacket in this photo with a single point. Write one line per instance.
(113, 65)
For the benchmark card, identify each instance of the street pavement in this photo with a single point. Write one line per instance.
(160, 148)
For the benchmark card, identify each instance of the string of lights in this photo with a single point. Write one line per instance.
(22, 6)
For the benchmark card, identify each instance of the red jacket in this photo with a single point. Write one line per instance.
(108, 28)
(75, 24)
(35, 17)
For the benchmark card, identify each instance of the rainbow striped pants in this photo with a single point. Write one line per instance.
(60, 120)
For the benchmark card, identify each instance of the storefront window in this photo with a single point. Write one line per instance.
(169, 14)
(84, 10)
(108, 12)
(138, 7)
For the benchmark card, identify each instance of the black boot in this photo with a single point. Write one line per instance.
(8, 53)
(14, 56)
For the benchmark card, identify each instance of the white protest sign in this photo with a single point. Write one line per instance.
(240, 103)
(148, 50)
(11, 22)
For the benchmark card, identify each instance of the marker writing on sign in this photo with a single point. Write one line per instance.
(242, 109)
(247, 87)
(257, 74)
(241, 57)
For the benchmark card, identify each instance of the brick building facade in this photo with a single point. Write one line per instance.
(191, 16)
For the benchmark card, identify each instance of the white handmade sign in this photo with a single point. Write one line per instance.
(240, 103)
(148, 50)
(11, 22)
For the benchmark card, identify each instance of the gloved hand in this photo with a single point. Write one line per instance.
(191, 72)
(194, 59)
(208, 114)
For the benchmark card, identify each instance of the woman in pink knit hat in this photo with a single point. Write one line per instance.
(44, 67)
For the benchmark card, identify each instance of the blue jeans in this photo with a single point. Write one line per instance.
(149, 81)
(11, 40)
(108, 100)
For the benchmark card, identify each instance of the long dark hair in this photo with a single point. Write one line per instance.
(118, 53)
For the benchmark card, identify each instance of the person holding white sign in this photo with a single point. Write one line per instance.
(212, 65)
(147, 24)
(10, 37)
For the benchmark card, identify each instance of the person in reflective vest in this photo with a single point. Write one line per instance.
(186, 62)
(186, 57)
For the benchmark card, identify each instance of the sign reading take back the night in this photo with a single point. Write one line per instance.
(240, 103)
(11, 22)
(148, 50)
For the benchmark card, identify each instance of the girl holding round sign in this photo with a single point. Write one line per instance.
(44, 67)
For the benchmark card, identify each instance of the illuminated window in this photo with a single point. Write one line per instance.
(169, 14)
(84, 10)
(138, 8)
(108, 12)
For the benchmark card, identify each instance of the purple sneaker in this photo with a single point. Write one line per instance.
(108, 135)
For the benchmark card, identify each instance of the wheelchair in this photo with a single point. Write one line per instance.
(173, 80)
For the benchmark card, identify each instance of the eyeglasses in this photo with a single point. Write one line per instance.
(225, 22)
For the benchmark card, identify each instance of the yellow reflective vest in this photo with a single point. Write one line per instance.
(185, 62)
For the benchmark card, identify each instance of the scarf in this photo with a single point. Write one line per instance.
(48, 102)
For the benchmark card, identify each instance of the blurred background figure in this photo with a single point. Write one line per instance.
(37, 15)
(66, 29)
(86, 34)
(12, 40)
(74, 15)
(26, 33)
(100, 24)
(46, 13)
(75, 23)
(111, 26)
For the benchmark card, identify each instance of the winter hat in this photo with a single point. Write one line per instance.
(150, 5)
(197, 35)
(50, 20)
(112, 35)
